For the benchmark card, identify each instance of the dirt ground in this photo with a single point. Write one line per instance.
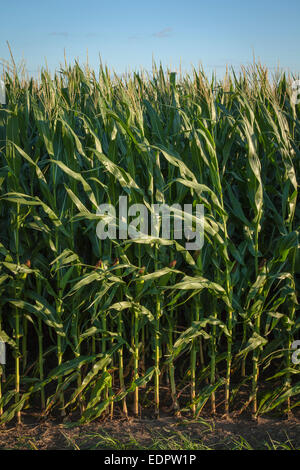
(155, 434)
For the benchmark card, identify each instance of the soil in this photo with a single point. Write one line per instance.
(214, 433)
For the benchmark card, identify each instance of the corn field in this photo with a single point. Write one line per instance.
(122, 327)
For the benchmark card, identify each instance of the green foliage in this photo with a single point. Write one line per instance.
(92, 324)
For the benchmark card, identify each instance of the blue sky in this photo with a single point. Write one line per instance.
(128, 33)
